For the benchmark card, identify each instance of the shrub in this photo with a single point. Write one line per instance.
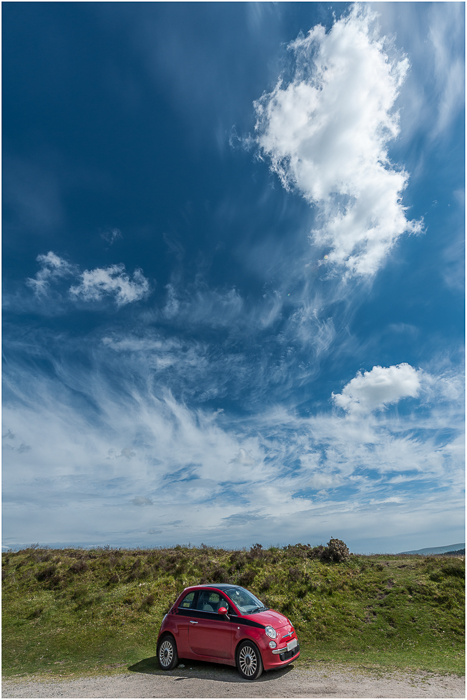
(220, 575)
(454, 570)
(316, 552)
(47, 573)
(294, 573)
(79, 567)
(256, 551)
(336, 550)
(237, 561)
(148, 601)
(247, 578)
(268, 582)
(43, 556)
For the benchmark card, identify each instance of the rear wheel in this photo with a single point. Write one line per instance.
(249, 662)
(167, 653)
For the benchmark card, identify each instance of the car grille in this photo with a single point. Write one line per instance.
(289, 654)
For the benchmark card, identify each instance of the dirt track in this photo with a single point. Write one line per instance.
(224, 682)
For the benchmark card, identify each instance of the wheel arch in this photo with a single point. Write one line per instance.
(250, 641)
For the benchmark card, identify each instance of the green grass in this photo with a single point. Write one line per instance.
(78, 612)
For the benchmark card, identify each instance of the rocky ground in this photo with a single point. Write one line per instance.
(224, 682)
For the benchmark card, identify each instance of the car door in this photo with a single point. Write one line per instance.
(183, 613)
(210, 634)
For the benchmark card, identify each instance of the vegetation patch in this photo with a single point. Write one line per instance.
(78, 612)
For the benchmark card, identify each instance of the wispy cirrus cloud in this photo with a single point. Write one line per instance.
(111, 235)
(326, 133)
(446, 36)
(146, 446)
(52, 268)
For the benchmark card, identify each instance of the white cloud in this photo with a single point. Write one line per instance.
(93, 285)
(378, 388)
(52, 267)
(326, 134)
(446, 35)
(105, 441)
(433, 95)
(114, 281)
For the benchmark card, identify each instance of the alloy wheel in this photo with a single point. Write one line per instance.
(166, 653)
(248, 660)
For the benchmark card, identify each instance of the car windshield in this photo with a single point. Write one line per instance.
(245, 601)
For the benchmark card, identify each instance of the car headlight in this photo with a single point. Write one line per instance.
(271, 632)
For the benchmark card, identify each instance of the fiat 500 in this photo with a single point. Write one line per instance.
(226, 624)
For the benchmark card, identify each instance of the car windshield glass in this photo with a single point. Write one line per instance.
(245, 601)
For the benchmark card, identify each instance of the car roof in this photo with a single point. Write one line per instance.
(220, 586)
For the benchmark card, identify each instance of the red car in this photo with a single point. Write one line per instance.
(226, 624)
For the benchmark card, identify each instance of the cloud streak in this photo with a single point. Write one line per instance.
(144, 446)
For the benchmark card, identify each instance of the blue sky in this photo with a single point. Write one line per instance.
(233, 274)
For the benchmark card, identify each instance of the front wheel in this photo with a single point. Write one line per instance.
(249, 662)
(167, 653)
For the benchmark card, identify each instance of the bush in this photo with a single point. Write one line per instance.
(79, 567)
(247, 578)
(47, 573)
(294, 573)
(454, 570)
(268, 582)
(148, 601)
(337, 550)
(256, 551)
(237, 561)
(220, 575)
(316, 552)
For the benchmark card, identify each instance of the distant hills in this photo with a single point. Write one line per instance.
(448, 549)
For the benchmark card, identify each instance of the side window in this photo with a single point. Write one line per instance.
(188, 601)
(210, 601)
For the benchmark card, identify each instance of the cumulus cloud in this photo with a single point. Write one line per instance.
(326, 133)
(378, 388)
(93, 285)
(52, 267)
(111, 281)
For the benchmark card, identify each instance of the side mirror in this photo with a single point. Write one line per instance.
(222, 611)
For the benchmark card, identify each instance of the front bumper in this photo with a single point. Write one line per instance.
(278, 658)
(284, 654)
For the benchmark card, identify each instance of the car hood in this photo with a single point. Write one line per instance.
(269, 617)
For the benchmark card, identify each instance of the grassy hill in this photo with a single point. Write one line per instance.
(72, 611)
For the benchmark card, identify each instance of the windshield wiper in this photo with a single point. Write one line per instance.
(258, 609)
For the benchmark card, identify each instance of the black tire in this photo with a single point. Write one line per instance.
(249, 661)
(167, 652)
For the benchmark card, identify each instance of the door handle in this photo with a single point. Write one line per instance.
(193, 622)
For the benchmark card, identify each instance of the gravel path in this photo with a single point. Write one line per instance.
(224, 682)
